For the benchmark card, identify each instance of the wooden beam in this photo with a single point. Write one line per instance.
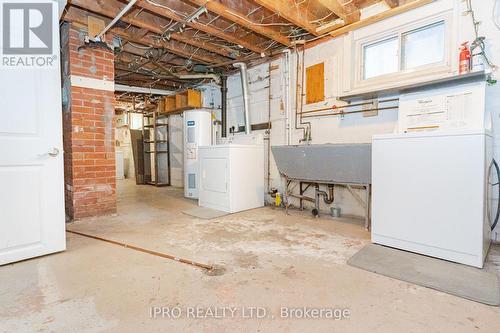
(381, 16)
(347, 14)
(392, 3)
(233, 15)
(199, 26)
(80, 16)
(291, 12)
(110, 8)
(335, 7)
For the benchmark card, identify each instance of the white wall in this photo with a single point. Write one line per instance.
(352, 128)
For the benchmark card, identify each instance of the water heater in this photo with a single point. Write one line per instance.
(197, 132)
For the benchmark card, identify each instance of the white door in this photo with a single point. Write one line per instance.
(31, 161)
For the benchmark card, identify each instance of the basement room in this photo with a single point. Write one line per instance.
(250, 166)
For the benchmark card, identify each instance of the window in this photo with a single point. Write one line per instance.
(380, 58)
(407, 50)
(423, 46)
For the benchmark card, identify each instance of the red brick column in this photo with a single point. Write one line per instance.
(88, 127)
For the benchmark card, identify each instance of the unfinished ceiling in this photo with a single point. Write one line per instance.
(160, 40)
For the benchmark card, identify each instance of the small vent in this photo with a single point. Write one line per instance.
(191, 180)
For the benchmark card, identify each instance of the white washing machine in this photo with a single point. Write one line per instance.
(430, 193)
(434, 182)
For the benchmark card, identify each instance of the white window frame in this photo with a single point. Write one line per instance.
(354, 52)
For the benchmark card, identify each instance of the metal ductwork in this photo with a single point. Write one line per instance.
(246, 99)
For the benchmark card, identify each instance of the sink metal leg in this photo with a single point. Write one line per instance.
(367, 207)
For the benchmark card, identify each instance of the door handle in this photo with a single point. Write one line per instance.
(53, 152)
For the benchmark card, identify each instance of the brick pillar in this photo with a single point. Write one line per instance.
(88, 126)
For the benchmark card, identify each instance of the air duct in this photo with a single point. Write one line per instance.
(246, 100)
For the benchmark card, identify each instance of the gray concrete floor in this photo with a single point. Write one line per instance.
(272, 261)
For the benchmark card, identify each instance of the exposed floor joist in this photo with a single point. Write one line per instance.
(381, 16)
(111, 8)
(392, 3)
(205, 28)
(232, 14)
(79, 16)
(290, 11)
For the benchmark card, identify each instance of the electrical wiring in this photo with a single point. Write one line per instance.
(212, 20)
(321, 19)
(496, 14)
(167, 8)
(257, 24)
(140, 46)
(479, 41)
(270, 45)
(167, 25)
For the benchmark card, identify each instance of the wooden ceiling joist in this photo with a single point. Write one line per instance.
(348, 13)
(231, 14)
(111, 8)
(79, 16)
(392, 3)
(380, 16)
(199, 26)
(291, 12)
(335, 7)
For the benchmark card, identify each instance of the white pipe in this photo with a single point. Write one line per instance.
(143, 90)
(244, 88)
(119, 16)
(288, 101)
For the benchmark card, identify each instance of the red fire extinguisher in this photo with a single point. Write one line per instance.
(464, 65)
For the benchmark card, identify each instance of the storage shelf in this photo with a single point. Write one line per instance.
(157, 125)
(178, 110)
(157, 141)
(464, 78)
(182, 101)
(157, 184)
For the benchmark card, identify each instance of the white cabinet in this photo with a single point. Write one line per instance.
(232, 177)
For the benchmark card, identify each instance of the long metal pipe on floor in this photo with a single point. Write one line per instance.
(140, 249)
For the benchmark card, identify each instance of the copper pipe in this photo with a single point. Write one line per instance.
(341, 113)
(140, 249)
(334, 107)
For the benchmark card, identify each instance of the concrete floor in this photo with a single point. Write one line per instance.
(271, 261)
